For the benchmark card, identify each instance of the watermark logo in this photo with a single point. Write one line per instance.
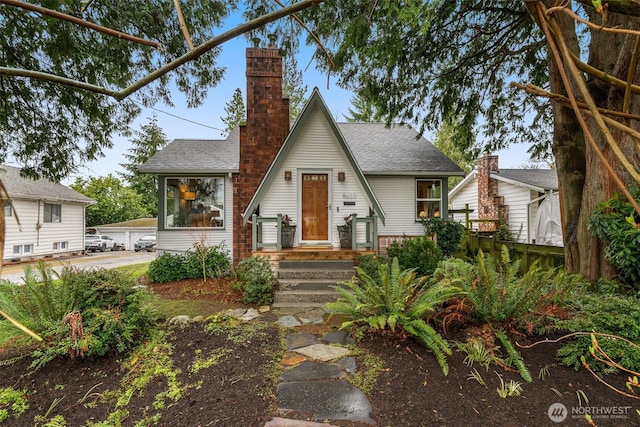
(557, 412)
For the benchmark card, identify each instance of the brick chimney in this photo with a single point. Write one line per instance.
(490, 204)
(266, 128)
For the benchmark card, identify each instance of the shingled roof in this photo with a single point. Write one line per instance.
(19, 187)
(546, 179)
(378, 149)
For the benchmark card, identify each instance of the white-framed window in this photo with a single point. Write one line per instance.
(59, 246)
(194, 202)
(27, 249)
(7, 209)
(17, 249)
(52, 212)
(428, 198)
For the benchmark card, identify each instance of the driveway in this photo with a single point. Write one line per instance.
(15, 272)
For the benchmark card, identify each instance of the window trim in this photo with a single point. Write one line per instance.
(50, 218)
(164, 200)
(427, 199)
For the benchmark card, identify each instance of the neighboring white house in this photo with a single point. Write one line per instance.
(51, 217)
(512, 196)
(317, 172)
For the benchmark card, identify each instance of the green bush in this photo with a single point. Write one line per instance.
(201, 262)
(393, 299)
(370, 264)
(448, 234)
(495, 294)
(608, 314)
(85, 312)
(616, 223)
(420, 253)
(168, 268)
(256, 280)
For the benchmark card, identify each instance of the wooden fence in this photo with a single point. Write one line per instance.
(548, 256)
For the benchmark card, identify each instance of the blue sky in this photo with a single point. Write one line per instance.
(172, 119)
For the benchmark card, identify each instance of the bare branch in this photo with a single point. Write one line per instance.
(183, 24)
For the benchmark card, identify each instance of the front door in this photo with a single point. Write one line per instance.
(315, 202)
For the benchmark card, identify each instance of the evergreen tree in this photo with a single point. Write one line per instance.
(293, 86)
(236, 112)
(363, 111)
(458, 145)
(148, 140)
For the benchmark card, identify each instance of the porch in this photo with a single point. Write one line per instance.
(364, 239)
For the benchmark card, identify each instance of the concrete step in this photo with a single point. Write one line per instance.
(303, 297)
(316, 264)
(307, 284)
(300, 305)
(307, 274)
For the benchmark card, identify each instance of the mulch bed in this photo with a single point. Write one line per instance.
(239, 390)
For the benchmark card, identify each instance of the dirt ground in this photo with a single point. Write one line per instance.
(239, 388)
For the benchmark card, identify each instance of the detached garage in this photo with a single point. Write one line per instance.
(129, 232)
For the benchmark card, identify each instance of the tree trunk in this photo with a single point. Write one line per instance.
(582, 177)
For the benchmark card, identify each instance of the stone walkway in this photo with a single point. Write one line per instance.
(318, 363)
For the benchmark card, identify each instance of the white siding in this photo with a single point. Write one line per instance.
(315, 151)
(181, 240)
(467, 195)
(516, 198)
(42, 235)
(397, 196)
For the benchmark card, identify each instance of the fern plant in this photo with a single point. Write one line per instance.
(395, 299)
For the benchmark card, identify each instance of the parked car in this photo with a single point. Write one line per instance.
(99, 242)
(146, 243)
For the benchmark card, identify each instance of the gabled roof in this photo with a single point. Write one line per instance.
(540, 180)
(395, 150)
(545, 179)
(196, 156)
(19, 187)
(314, 101)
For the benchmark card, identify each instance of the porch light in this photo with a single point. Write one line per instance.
(287, 175)
(341, 176)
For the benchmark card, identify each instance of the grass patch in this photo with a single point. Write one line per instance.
(135, 270)
(168, 308)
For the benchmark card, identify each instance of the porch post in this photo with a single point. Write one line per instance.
(375, 232)
(254, 233)
(279, 233)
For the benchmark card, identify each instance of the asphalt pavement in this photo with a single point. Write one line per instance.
(14, 272)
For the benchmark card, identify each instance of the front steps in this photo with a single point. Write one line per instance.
(308, 283)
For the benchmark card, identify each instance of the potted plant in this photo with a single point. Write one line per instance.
(345, 231)
(288, 231)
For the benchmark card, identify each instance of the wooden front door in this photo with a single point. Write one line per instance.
(315, 202)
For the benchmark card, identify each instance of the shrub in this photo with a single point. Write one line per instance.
(370, 263)
(83, 313)
(494, 296)
(395, 299)
(448, 234)
(198, 263)
(494, 293)
(167, 268)
(608, 314)
(420, 253)
(616, 223)
(256, 280)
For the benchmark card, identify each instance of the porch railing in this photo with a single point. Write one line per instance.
(258, 222)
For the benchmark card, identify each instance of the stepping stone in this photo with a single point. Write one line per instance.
(308, 371)
(288, 321)
(300, 340)
(237, 312)
(292, 359)
(322, 352)
(315, 316)
(326, 399)
(347, 364)
(285, 422)
(338, 337)
(251, 314)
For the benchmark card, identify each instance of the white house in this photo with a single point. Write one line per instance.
(47, 219)
(317, 172)
(520, 198)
